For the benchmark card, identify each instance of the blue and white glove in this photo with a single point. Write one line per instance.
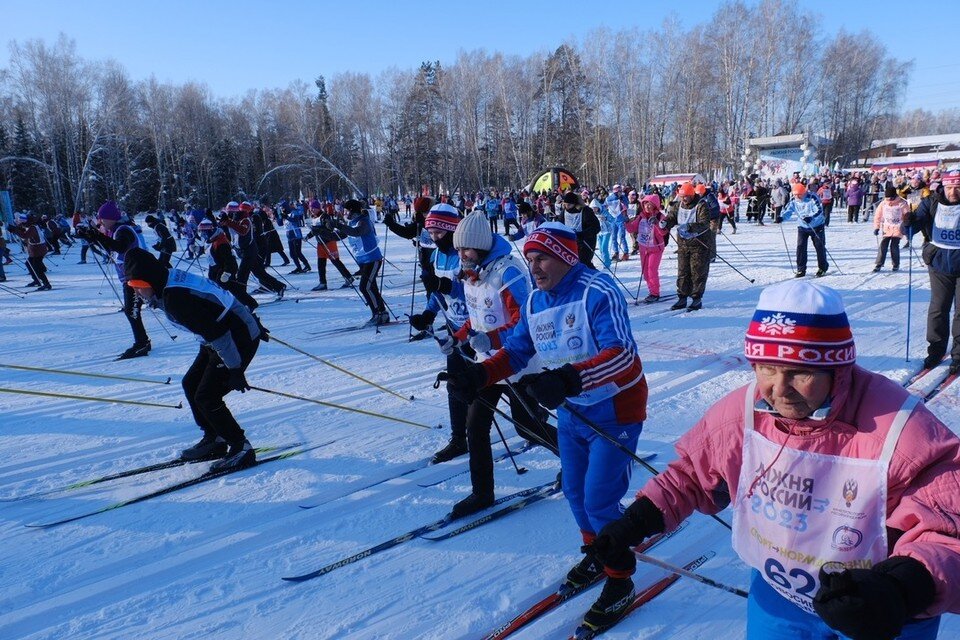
(480, 342)
(448, 345)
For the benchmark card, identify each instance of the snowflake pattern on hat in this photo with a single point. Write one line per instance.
(777, 325)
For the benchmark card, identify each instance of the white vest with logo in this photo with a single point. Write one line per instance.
(809, 509)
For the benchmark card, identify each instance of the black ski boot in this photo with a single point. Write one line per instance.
(454, 449)
(695, 305)
(136, 351)
(681, 303)
(651, 298)
(209, 448)
(820, 273)
(612, 604)
(471, 504)
(585, 571)
(239, 456)
(320, 287)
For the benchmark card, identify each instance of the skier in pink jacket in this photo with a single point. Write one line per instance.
(844, 488)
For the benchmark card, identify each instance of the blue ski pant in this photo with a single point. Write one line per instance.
(620, 238)
(596, 474)
(603, 247)
(770, 616)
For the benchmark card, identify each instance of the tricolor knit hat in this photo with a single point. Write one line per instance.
(558, 240)
(950, 178)
(473, 232)
(802, 324)
(442, 216)
(108, 211)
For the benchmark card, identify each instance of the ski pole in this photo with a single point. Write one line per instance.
(787, 248)
(84, 374)
(110, 282)
(520, 470)
(727, 238)
(346, 246)
(606, 436)
(11, 291)
(273, 338)
(289, 284)
(717, 254)
(349, 282)
(823, 240)
(46, 394)
(162, 325)
(334, 405)
(413, 284)
(909, 292)
(680, 571)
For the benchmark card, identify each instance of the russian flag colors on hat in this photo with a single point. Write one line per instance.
(555, 239)
(950, 178)
(802, 324)
(442, 216)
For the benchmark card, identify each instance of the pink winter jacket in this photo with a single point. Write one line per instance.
(923, 492)
(886, 214)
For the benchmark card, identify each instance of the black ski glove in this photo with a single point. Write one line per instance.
(237, 381)
(873, 604)
(441, 285)
(876, 232)
(264, 332)
(465, 379)
(553, 386)
(422, 321)
(807, 219)
(612, 544)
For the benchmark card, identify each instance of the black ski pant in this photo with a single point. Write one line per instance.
(827, 210)
(480, 418)
(295, 245)
(205, 384)
(368, 286)
(322, 269)
(853, 212)
(944, 293)
(132, 307)
(223, 271)
(38, 270)
(818, 235)
(510, 222)
(251, 262)
(493, 224)
(84, 247)
(894, 244)
(728, 217)
(457, 407)
(164, 258)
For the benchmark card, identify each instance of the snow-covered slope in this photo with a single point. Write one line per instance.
(207, 562)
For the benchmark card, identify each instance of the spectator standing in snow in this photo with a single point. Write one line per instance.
(689, 214)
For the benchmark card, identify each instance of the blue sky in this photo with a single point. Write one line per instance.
(241, 44)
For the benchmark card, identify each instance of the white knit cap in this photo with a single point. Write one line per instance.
(473, 232)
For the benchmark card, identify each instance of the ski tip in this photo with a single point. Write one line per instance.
(179, 405)
(168, 380)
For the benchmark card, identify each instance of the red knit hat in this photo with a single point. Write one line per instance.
(442, 216)
(802, 324)
(558, 240)
(950, 178)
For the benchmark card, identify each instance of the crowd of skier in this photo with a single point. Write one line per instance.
(535, 313)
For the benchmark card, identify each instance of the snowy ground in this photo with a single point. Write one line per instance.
(207, 562)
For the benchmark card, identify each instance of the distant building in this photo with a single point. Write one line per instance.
(781, 156)
(917, 152)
